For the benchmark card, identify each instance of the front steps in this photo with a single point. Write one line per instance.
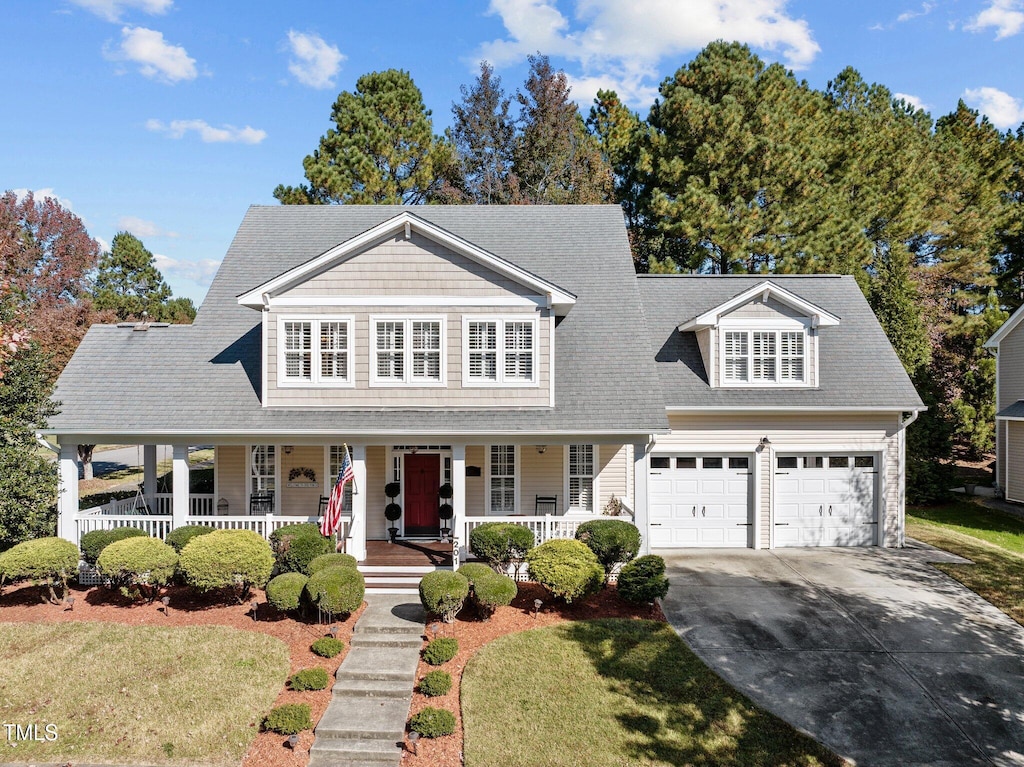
(382, 579)
(364, 725)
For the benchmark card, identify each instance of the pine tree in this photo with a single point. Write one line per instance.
(483, 136)
(128, 282)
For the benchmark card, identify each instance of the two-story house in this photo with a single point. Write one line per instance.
(513, 354)
(1008, 345)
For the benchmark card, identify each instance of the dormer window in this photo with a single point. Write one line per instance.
(314, 351)
(764, 357)
(407, 351)
(499, 351)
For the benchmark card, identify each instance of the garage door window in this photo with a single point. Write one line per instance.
(786, 462)
(814, 462)
(838, 462)
(864, 462)
(711, 463)
(686, 462)
(739, 463)
(661, 462)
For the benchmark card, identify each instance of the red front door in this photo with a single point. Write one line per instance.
(422, 481)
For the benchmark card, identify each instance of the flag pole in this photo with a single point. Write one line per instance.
(355, 487)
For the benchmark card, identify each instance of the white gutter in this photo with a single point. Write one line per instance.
(904, 423)
(46, 443)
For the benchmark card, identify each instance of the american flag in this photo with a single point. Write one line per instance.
(332, 515)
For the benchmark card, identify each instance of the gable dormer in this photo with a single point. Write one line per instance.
(765, 336)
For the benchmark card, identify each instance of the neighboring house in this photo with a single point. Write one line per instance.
(512, 353)
(1008, 343)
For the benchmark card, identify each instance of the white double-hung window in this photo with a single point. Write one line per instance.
(314, 351)
(407, 351)
(581, 477)
(499, 351)
(764, 357)
(501, 480)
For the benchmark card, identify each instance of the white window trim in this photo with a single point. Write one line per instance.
(249, 476)
(516, 477)
(315, 381)
(775, 326)
(408, 380)
(470, 383)
(565, 481)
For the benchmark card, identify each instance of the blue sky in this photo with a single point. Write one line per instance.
(168, 118)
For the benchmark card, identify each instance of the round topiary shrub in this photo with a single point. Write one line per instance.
(94, 542)
(180, 536)
(436, 683)
(336, 590)
(295, 546)
(475, 570)
(443, 593)
(331, 560)
(643, 580)
(138, 562)
(284, 591)
(310, 679)
(492, 592)
(566, 568)
(501, 544)
(613, 541)
(327, 647)
(237, 559)
(45, 560)
(440, 650)
(289, 719)
(433, 722)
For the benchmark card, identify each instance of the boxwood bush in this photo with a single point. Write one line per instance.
(327, 647)
(295, 546)
(135, 562)
(566, 568)
(501, 544)
(94, 542)
(474, 570)
(643, 580)
(443, 593)
(237, 559)
(284, 591)
(331, 560)
(613, 541)
(436, 683)
(310, 679)
(440, 650)
(433, 722)
(180, 536)
(492, 592)
(336, 590)
(289, 719)
(44, 560)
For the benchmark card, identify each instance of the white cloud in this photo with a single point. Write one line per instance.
(926, 8)
(200, 272)
(914, 101)
(142, 228)
(316, 62)
(621, 44)
(1002, 109)
(112, 10)
(226, 134)
(1006, 16)
(43, 194)
(156, 57)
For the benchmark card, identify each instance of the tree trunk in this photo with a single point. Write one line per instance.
(85, 456)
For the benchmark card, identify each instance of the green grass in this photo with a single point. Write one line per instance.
(137, 694)
(614, 693)
(975, 520)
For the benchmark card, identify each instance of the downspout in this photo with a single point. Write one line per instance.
(905, 422)
(47, 444)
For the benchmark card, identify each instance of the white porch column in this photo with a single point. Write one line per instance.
(356, 542)
(459, 499)
(179, 502)
(149, 475)
(641, 475)
(67, 494)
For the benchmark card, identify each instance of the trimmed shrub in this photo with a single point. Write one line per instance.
(238, 559)
(295, 546)
(45, 560)
(336, 590)
(289, 719)
(331, 560)
(440, 650)
(436, 683)
(284, 591)
(643, 580)
(94, 542)
(327, 647)
(443, 593)
(493, 592)
(433, 722)
(138, 562)
(475, 570)
(613, 541)
(180, 536)
(566, 568)
(310, 679)
(501, 544)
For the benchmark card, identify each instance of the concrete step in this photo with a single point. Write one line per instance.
(393, 588)
(387, 614)
(380, 663)
(373, 688)
(364, 719)
(387, 640)
(350, 752)
(408, 580)
(403, 569)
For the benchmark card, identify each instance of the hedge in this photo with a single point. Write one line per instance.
(443, 593)
(566, 568)
(180, 536)
(138, 562)
(331, 560)
(643, 580)
(49, 560)
(94, 542)
(613, 541)
(336, 590)
(284, 592)
(295, 546)
(501, 544)
(238, 559)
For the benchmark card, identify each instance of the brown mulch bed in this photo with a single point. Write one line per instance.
(23, 604)
(473, 634)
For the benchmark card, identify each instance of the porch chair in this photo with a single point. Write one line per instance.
(324, 500)
(261, 503)
(545, 504)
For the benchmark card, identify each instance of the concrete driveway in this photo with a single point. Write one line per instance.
(873, 652)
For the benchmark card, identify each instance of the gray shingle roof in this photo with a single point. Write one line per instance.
(205, 378)
(1016, 410)
(858, 367)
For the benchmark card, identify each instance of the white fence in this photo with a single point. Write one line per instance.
(543, 528)
(199, 504)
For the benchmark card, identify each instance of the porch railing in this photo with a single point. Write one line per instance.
(199, 504)
(543, 528)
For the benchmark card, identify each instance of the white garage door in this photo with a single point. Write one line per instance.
(700, 500)
(825, 500)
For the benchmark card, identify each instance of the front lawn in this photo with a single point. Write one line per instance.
(614, 692)
(137, 694)
(975, 520)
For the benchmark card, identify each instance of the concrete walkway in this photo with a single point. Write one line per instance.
(872, 652)
(365, 721)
